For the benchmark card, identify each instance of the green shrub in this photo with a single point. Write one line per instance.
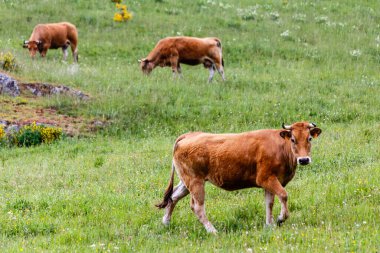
(29, 137)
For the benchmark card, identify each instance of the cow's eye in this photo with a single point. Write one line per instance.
(310, 138)
(293, 140)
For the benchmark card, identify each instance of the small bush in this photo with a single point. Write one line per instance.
(28, 137)
(8, 61)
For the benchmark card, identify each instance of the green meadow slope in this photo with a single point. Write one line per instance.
(285, 61)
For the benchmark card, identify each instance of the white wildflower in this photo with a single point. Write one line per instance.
(355, 53)
(285, 34)
(321, 19)
(299, 17)
(274, 15)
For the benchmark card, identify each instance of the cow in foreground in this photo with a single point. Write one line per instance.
(53, 36)
(264, 158)
(172, 51)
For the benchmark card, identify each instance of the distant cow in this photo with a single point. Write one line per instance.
(53, 36)
(263, 158)
(172, 51)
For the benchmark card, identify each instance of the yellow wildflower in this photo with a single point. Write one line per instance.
(118, 17)
(2, 132)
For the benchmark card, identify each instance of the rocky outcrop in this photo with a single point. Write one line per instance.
(12, 87)
(45, 89)
(9, 86)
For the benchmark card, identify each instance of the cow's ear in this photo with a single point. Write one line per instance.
(285, 134)
(315, 132)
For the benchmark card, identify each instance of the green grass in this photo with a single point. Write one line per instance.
(98, 194)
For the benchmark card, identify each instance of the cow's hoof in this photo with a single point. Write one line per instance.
(165, 221)
(279, 222)
(211, 230)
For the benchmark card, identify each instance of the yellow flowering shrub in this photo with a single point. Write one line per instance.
(2, 132)
(50, 134)
(123, 14)
(7, 61)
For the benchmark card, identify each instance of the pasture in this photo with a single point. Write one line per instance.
(285, 61)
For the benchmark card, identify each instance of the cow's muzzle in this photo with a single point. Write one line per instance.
(303, 160)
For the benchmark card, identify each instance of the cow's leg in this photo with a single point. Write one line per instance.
(220, 69)
(43, 52)
(75, 54)
(269, 201)
(65, 53)
(272, 185)
(73, 42)
(179, 192)
(179, 70)
(212, 71)
(174, 64)
(197, 191)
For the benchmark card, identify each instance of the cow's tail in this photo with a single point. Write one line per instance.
(168, 192)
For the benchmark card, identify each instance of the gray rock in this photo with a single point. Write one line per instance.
(9, 86)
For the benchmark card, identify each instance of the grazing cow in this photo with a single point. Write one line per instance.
(263, 158)
(53, 36)
(172, 51)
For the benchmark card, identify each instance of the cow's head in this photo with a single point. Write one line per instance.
(146, 66)
(33, 47)
(300, 135)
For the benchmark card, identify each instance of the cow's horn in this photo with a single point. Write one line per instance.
(311, 124)
(286, 127)
(25, 45)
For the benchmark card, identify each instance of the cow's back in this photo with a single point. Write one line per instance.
(56, 34)
(196, 48)
(185, 47)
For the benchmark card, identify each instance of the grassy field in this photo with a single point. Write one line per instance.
(285, 61)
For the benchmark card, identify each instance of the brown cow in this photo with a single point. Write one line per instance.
(53, 36)
(172, 51)
(263, 158)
